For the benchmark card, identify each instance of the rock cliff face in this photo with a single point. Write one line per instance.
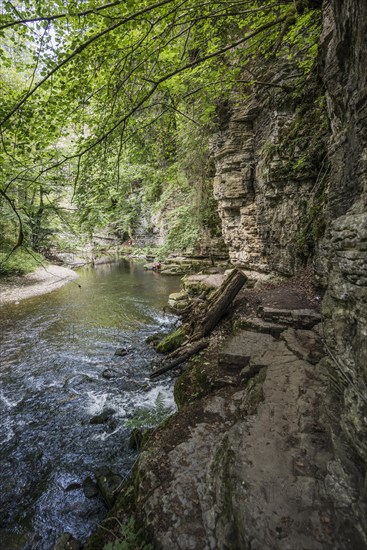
(343, 251)
(266, 179)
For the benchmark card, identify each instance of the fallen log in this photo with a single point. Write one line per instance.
(204, 322)
(219, 304)
(193, 350)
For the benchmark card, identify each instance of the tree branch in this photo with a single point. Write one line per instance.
(79, 50)
(50, 18)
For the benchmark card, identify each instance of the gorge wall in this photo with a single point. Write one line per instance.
(270, 162)
(342, 258)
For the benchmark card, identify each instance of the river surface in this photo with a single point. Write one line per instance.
(53, 351)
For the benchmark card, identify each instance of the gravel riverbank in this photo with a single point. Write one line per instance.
(41, 281)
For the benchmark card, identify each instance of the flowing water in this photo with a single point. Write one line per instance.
(53, 351)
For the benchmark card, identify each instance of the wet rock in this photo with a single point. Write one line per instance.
(108, 484)
(15, 541)
(67, 542)
(110, 373)
(73, 486)
(121, 352)
(89, 488)
(103, 417)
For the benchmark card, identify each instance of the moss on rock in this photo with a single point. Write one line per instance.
(191, 385)
(172, 341)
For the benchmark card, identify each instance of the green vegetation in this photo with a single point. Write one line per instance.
(149, 418)
(20, 262)
(106, 109)
(172, 341)
(129, 538)
(193, 384)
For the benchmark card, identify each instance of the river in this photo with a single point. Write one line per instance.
(53, 351)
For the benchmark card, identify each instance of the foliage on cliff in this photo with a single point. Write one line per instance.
(98, 96)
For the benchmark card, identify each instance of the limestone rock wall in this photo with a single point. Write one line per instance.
(343, 251)
(261, 185)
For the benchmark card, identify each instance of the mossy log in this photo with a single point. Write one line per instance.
(189, 352)
(204, 321)
(218, 304)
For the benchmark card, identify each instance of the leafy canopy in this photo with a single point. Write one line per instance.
(90, 88)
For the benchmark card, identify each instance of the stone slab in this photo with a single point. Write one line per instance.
(239, 349)
(259, 325)
(301, 318)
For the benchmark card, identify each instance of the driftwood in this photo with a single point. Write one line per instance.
(202, 322)
(190, 351)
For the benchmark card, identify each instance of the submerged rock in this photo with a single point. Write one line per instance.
(110, 373)
(121, 352)
(153, 339)
(103, 417)
(73, 486)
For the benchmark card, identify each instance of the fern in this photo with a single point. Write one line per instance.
(149, 418)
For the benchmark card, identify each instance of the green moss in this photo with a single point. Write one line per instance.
(193, 384)
(254, 392)
(311, 228)
(172, 341)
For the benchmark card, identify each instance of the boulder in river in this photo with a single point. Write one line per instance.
(90, 488)
(110, 373)
(121, 352)
(67, 542)
(102, 417)
(108, 484)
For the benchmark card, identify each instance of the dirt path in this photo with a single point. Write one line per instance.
(42, 281)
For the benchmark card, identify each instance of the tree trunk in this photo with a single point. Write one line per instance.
(219, 304)
(190, 351)
(203, 323)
